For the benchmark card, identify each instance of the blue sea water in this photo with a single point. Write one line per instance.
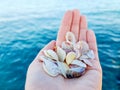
(26, 26)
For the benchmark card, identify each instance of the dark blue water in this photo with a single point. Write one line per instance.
(27, 25)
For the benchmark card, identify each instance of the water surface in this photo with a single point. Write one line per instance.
(26, 26)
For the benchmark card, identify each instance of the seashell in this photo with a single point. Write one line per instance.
(70, 38)
(90, 54)
(63, 67)
(48, 60)
(84, 57)
(87, 62)
(44, 58)
(79, 63)
(78, 69)
(70, 57)
(66, 45)
(81, 45)
(78, 45)
(73, 66)
(52, 71)
(85, 46)
(68, 50)
(50, 67)
(61, 54)
(75, 72)
(78, 53)
(51, 54)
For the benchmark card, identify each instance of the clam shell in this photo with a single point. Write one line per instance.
(68, 50)
(61, 54)
(70, 38)
(90, 54)
(78, 45)
(44, 58)
(81, 45)
(79, 63)
(52, 71)
(70, 57)
(75, 72)
(78, 53)
(85, 46)
(63, 67)
(50, 67)
(73, 66)
(84, 57)
(87, 62)
(78, 69)
(66, 45)
(51, 54)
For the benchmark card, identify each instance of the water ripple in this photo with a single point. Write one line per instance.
(25, 31)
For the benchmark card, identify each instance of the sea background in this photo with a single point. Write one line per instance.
(26, 26)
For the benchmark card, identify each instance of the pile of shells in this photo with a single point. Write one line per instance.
(69, 60)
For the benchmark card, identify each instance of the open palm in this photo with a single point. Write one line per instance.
(37, 79)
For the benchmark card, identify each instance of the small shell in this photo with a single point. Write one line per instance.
(52, 71)
(68, 50)
(66, 45)
(85, 46)
(87, 62)
(79, 63)
(78, 69)
(63, 67)
(51, 54)
(90, 54)
(81, 45)
(70, 57)
(84, 57)
(78, 45)
(78, 53)
(61, 54)
(70, 38)
(75, 72)
(44, 58)
(50, 67)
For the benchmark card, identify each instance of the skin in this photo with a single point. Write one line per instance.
(37, 79)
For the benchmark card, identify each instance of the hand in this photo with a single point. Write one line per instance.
(37, 79)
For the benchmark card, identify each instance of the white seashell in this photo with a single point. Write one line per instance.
(68, 50)
(70, 38)
(44, 58)
(79, 63)
(52, 71)
(50, 67)
(70, 57)
(63, 67)
(75, 72)
(87, 62)
(66, 45)
(78, 69)
(61, 54)
(78, 53)
(90, 54)
(81, 45)
(85, 46)
(84, 57)
(51, 54)
(78, 45)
